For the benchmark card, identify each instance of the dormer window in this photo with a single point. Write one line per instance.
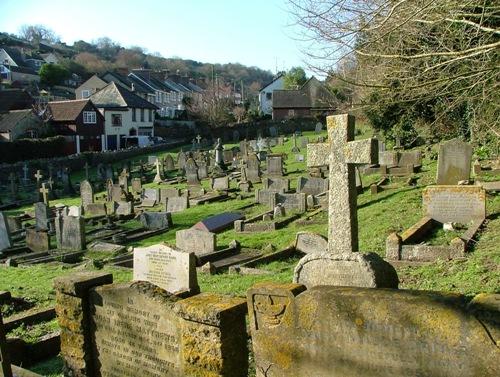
(85, 94)
(89, 117)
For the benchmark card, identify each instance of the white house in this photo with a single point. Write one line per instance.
(125, 114)
(266, 94)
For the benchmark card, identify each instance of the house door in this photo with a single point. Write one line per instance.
(112, 144)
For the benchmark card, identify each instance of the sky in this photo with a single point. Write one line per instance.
(251, 32)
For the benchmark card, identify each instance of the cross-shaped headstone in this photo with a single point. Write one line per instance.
(45, 193)
(157, 177)
(295, 149)
(342, 153)
(38, 177)
(26, 171)
(198, 139)
(6, 368)
(86, 166)
(50, 182)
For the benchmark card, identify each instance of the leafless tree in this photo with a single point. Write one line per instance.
(410, 51)
(37, 33)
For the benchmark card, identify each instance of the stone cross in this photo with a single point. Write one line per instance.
(295, 149)
(5, 367)
(50, 182)
(198, 139)
(26, 171)
(45, 193)
(38, 177)
(157, 177)
(342, 153)
(86, 166)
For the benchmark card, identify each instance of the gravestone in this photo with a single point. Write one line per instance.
(167, 268)
(150, 196)
(273, 131)
(169, 192)
(168, 163)
(136, 185)
(152, 160)
(123, 208)
(45, 194)
(37, 240)
(299, 158)
(70, 232)
(5, 240)
(158, 178)
(458, 204)
(196, 241)
(156, 220)
(410, 158)
(454, 161)
(192, 172)
(312, 185)
(95, 209)
(202, 171)
(181, 160)
(276, 183)
(318, 128)
(74, 211)
(244, 148)
(137, 329)
(295, 149)
(274, 166)
(304, 141)
(42, 216)
(117, 192)
(263, 196)
(310, 243)
(291, 202)
(86, 193)
(388, 158)
(176, 203)
(253, 168)
(332, 331)
(342, 264)
(218, 222)
(221, 183)
(228, 155)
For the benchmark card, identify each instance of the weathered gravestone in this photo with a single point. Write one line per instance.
(137, 329)
(310, 243)
(5, 240)
(291, 202)
(196, 241)
(168, 163)
(192, 172)
(70, 232)
(304, 141)
(277, 184)
(158, 178)
(168, 268)
(117, 192)
(342, 264)
(176, 204)
(318, 127)
(37, 240)
(181, 160)
(274, 165)
(42, 216)
(202, 171)
(253, 168)
(169, 192)
(221, 183)
(95, 209)
(150, 197)
(454, 162)
(86, 193)
(350, 332)
(123, 208)
(312, 185)
(75, 211)
(152, 160)
(156, 220)
(136, 185)
(218, 223)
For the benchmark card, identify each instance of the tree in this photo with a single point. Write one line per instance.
(53, 74)
(92, 62)
(294, 78)
(239, 113)
(129, 58)
(37, 33)
(107, 48)
(415, 61)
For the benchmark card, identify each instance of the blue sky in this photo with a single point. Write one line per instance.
(251, 32)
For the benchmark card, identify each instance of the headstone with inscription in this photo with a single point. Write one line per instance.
(276, 183)
(221, 183)
(192, 172)
(176, 203)
(196, 241)
(70, 232)
(37, 240)
(332, 331)
(42, 216)
(86, 193)
(312, 185)
(454, 162)
(253, 168)
(274, 166)
(310, 243)
(156, 220)
(168, 163)
(136, 185)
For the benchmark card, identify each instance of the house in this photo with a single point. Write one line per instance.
(51, 58)
(14, 69)
(89, 87)
(311, 99)
(80, 122)
(16, 124)
(15, 99)
(125, 114)
(266, 93)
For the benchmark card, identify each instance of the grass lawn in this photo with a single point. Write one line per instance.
(391, 210)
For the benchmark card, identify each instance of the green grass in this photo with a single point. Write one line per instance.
(394, 209)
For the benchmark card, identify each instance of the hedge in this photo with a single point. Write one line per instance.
(31, 149)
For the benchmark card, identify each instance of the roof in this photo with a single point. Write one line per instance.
(118, 78)
(25, 70)
(15, 99)
(312, 94)
(273, 80)
(15, 55)
(10, 119)
(149, 80)
(113, 96)
(67, 110)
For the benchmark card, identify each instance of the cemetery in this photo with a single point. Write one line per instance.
(313, 253)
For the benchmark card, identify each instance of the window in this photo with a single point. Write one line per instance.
(85, 93)
(116, 120)
(157, 96)
(89, 117)
(142, 115)
(134, 115)
(269, 96)
(291, 113)
(150, 115)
